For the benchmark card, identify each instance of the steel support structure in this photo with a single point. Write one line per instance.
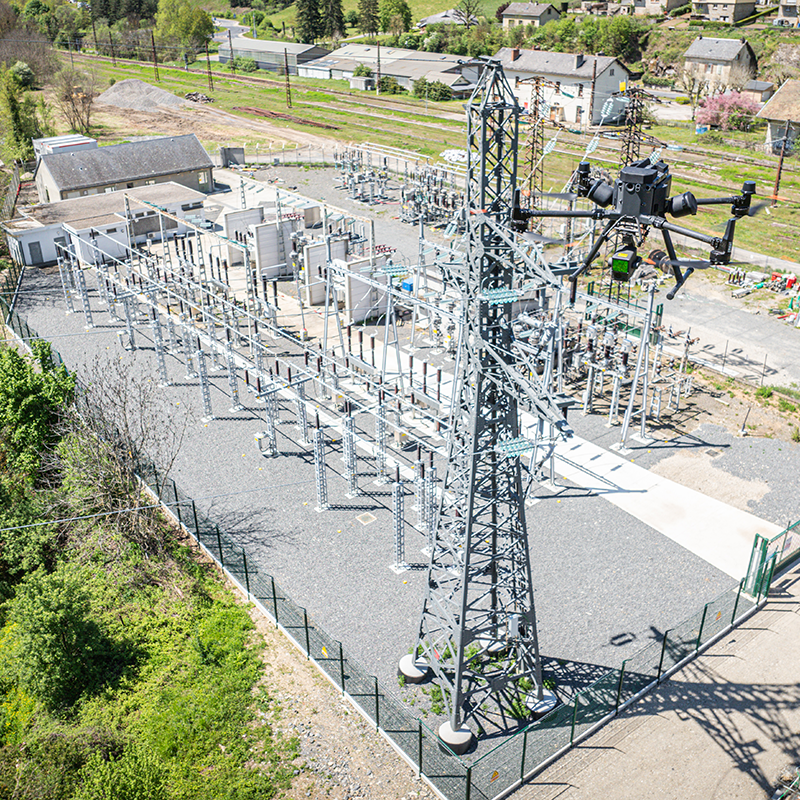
(477, 629)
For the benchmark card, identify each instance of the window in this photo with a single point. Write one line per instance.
(611, 71)
(203, 177)
(580, 90)
(558, 87)
(149, 183)
(129, 185)
(111, 230)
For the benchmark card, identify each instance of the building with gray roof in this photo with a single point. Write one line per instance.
(730, 11)
(536, 14)
(270, 55)
(721, 62)
(181, 159)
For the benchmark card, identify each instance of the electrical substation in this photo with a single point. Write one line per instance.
(431, 391)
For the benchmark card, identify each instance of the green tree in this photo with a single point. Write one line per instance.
(368, 16)
(58, 651)
(332, 19)
(183, 22)
(362, 71)
(19, 121)
(22, 75)
(394, 16)
(309, 23)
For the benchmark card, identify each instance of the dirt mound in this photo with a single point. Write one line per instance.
(141, 96)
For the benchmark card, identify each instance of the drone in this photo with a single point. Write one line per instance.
(637, 201)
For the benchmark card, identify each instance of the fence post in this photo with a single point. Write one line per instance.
(219, 546)
(196, 526)
(246, 574)
(469, 783)
(766, 580)
(419, 746)
(177, 502)
(574, 719)
(524, 751)
(663, 650)
(736, 603)
(377, 705)
(274, 600)
(341, 665)
(702, 625)
(619, 685)
(308, 641)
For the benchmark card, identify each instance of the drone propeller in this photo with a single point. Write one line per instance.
(539, 239)
(697, 263)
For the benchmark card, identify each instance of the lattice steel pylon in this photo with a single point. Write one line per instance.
(631, 146)
(533, 169)
(478, 624)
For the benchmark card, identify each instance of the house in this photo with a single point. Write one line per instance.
(182, 159)
(452, 16)
(783, 109)
(722, 62)
(788, 13)
(653, 8)
(758, 91)
(537, 14)
(405, 66)
(575, 86)
(730, 11)
(270, 55)
(34, 235)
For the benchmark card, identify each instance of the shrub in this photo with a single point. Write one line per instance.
(764, 391)
(389, 85)
(243, 64)
(22, 75)
(682, 101)
(362, 71)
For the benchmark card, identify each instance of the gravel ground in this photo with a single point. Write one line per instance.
(606, 584)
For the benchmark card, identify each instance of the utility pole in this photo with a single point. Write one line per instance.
(155, 58)
(111, 45)
(94, 34)
(230, 46)
(288, 85)
(71, 57)
(208, 67)
(378, 80)
(780, 163)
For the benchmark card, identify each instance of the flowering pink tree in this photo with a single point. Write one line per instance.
(730, 112)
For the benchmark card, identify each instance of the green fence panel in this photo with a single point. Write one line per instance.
(399, 724)
(790, 543)
(291, 618)
(592, 704)
(547, 736)
(718, 614)
(641, 669)
(681, 641)
(325, 651)
(360, 685)
(499, 768)
(444, 770)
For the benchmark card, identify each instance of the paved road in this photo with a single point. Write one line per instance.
(723, 727)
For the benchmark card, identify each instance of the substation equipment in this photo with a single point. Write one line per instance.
(507, 330)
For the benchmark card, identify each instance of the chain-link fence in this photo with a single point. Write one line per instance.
(517, 756)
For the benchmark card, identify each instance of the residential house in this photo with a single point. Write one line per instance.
(723, 63)
(537, 14)
(182, 159)
(758, 91)
(730, 11)
(405, 66)
(575, 86)
(788, 13)
(268, 55)
(782, 113)
(452, 16)
(35, 234)
(653, 8)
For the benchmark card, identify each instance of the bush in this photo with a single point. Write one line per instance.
(22, 75)
(389, 85)
(764, 391)
(729, 112)
(682, 101)
(362, 71)
(244, 64)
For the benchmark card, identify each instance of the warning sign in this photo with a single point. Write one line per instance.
(495, 776)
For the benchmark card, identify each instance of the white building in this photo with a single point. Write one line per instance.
(782, 110)
(575, 86)
(34, 235)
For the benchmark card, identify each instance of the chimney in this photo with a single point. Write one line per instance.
(515, 54)
(579, 60)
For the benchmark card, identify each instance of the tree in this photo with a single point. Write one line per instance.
(22, 75)
(362, 71)
(309, 24)
(352, 19)
(368, 20)
(332, 19)
(183, 22)
(467, 12)
(694, 86)
(75, 94)
(500, 9)
(19, 120)
(729, 112)
(394, 16)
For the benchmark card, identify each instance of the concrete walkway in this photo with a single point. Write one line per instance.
(720, 534)
(723, 727)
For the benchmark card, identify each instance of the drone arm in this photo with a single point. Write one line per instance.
(715, 201)
(591, 213)
(587, 262)
(672, 292)
(661, 223)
